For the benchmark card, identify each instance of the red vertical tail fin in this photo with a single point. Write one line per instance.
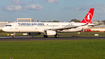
(88, 17)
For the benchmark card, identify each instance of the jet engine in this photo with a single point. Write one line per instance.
(50, 32)
(34, 34)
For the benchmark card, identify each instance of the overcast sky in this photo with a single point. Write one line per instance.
(49, 10)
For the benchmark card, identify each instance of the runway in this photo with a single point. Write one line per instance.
(29, 38)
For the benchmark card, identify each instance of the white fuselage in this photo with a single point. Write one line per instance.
(41, 26)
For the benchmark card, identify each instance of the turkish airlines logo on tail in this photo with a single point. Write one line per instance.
(88, 17)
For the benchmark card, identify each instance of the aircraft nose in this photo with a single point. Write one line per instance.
(4, 29)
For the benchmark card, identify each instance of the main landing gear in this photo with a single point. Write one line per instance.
(56, 36)
(45, 36)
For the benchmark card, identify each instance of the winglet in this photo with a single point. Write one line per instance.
(88, 17)
(37, 20)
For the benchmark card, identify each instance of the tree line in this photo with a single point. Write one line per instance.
(73, 20)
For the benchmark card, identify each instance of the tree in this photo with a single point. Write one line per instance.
(103, 21)
(75, 20)
(55, 21)
(49, 21)
(43, 21)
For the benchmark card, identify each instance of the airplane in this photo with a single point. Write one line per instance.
(48, 28)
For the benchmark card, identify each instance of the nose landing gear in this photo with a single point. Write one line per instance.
(14, 35)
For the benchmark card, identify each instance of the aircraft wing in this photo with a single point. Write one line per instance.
(67, 27)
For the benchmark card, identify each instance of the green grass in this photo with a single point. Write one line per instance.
(53, 49)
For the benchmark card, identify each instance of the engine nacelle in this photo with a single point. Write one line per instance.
(50, 32)
(34, 34)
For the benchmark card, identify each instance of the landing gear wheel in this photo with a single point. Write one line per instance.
(45, 36)
(56, 36)
(13, 36)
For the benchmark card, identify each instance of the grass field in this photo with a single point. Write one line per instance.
(53, 49)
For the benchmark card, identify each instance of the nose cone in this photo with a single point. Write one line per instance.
(4, 29)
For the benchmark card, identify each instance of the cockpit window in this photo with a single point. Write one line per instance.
(8, 25)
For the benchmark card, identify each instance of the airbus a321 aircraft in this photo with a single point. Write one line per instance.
(48, 28)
